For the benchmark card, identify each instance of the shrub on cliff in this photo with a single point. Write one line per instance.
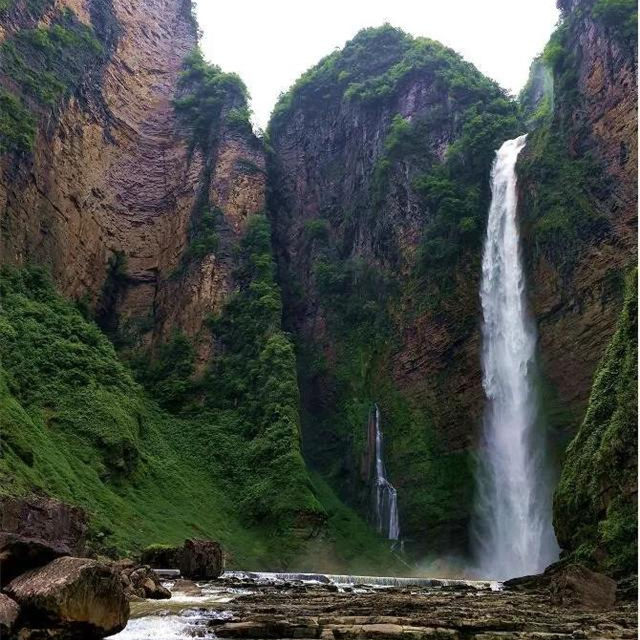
(204, 93)
(619, 15)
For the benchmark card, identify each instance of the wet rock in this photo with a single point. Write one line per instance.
(9, 611)
(186, 587)
(576, 586)
(161, 557)
(143, 583)
(19, 554)
(45, 519)
(201, 560)
(74, 598)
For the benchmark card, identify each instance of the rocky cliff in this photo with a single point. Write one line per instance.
(579, 196)
(107, 190)
(578, 188)
(379, 175)
(379, 189)
(129, 170)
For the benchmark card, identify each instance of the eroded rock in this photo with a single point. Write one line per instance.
(187, 587)
(45, 519)
(577, 586)
(72, 597)
(144, 583)
(19, 554)
(9, 611)
(201, 560)
(161, 557)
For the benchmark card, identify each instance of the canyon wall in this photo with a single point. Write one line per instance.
(107, 193)
(379, 181)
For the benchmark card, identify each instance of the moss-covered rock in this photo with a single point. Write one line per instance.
(595, 505)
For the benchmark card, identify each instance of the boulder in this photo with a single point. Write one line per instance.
(186, 587)
(9, 611)
(161, 557)
(19, 554)
(576, 586)
(143, 583)
(201, 560)
(73, 598)
(45, 519)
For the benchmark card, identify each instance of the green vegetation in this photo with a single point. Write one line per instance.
(17, 124)
(77, 426)
(203, 236)
(206, 93)
(49, 62)
(255, 375)
(45, 64)
(621, 16)
(435, 162)
(560, 211)
(560, 214)
(595, 506)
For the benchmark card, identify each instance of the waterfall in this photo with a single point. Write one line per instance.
(513, 530)
(385, 497)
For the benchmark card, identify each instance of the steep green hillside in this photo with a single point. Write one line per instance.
(75, 425)
(596, 503)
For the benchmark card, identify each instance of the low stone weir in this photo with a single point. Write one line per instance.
(350, 580)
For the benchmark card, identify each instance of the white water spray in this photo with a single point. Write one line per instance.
(385, 497)
(513, 530)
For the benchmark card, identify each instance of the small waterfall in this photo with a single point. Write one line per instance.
(513, 530)
(385, 497)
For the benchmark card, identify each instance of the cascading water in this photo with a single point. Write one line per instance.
(513, 530)
(385, 497)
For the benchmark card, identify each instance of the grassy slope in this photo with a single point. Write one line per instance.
(75, 425)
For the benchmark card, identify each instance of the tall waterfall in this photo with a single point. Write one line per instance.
(513, 530)
(385, 497)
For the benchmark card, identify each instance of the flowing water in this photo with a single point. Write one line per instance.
(385, 497)
(513, 530)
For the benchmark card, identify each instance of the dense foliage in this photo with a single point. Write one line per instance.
(206, 94)
(77, 426)
(595, 510)
(17, 124)
(45, 64)
(621, 16)
(255, 374)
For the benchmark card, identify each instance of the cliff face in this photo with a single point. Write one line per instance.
(578, 186)
(578, 179)
(378, 199)
(110, 184)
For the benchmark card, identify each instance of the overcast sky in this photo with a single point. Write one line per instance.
(271, 42)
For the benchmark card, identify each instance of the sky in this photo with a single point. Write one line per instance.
(269, 43)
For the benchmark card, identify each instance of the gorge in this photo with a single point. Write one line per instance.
(196, 321)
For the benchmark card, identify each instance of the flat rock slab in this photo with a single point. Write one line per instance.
(311, 611)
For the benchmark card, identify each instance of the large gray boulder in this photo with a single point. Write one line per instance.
(201, 560)
(75, 598)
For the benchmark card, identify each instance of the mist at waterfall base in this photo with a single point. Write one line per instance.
(512, 531)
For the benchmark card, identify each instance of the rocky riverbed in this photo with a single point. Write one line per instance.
(262, 608)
